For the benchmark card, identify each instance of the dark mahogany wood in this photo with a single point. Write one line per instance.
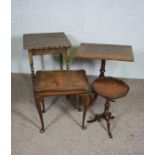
(111, 89)
(102, 69)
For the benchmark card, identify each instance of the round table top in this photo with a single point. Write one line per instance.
(110, 88)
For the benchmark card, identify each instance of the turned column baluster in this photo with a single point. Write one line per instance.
(31, 65)
(102, 69)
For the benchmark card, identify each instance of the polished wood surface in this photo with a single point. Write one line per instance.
(111, 89)
(66, 80)
(45, 40)
(105, 52)
(60, 82)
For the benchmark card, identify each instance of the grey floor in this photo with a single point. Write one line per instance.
(64, 135)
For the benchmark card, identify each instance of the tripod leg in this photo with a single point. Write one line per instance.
(107, 116)
(96, 118)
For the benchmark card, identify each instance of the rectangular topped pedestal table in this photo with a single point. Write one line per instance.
(105, 52)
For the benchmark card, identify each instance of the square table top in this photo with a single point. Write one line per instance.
(45, 40)
(105, 52)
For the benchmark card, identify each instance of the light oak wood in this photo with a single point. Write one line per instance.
(105, 52)
(45, 40)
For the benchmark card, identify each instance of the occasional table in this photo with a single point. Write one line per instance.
(105, 52)
(59, 82)
(108, 87)
(46, 43)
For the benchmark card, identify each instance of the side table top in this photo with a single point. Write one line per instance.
(45, 40)
(105, 52)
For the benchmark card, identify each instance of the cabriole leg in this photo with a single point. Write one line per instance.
(38, 105)
(43, 106)
(86, 100)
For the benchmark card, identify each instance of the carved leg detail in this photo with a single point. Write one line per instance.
(86, 101)
(107, 116)
(102, 69)
(108, 125)
(38, 105)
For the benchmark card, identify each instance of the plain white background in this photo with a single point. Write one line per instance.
(100, 21)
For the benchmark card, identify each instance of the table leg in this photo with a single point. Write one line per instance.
(86, 101)
(61, 61)
(93, 99)
(38, 106)
(68, 59)
(105, 115)
(78, 106)
(67, 64)
(102, 69)
(43, 106)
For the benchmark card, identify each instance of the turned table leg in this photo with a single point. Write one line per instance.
(102, 69)
(105, 115)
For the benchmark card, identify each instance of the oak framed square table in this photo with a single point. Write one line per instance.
(105, 52)
(47, 43)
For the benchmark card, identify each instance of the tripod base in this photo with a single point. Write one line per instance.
(105, 115)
